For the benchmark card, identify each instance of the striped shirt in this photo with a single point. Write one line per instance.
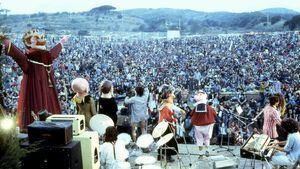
(271, 118)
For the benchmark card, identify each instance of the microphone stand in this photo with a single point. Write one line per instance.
(239, 118)
(223, 132)
(255, 118)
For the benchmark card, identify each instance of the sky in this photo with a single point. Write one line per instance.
(52, 6)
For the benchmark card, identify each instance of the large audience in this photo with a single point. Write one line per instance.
(235, 70)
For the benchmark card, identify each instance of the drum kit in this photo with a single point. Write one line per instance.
(147, 141)
(100, 122)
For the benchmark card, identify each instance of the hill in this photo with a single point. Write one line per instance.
(279, 11)
(106, 18)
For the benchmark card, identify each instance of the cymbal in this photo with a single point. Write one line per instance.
(160, 129)
(125, 138)
(144, 141)
(100, 122)
(163, 140)
(145, 160)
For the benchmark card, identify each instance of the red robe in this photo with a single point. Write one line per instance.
(35, 94)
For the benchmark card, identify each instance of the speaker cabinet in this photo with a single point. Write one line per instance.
(90, 149)
(78, 121)
(50, 132)
(41, 156)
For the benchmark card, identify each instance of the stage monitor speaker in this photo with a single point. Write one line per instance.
(90, 149)
(42, 156)
(50, 132)
(78, 121)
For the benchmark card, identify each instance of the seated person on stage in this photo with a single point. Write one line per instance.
(113, 153)
(288, 155)
(203, 119)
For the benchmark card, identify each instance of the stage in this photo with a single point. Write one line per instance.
(194, 162)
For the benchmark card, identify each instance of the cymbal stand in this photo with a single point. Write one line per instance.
(180, 162)
(187, 150)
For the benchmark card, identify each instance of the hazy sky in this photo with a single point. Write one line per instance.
(51, 6)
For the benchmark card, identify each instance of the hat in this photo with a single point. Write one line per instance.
(40, 38)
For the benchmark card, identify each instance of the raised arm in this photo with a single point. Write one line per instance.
(17, 55)
(57, 48)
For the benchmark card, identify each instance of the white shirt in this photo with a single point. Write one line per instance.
(107, 154)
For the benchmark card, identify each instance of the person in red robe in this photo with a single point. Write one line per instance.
(37, 90)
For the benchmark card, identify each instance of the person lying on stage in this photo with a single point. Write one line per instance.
(290, 153)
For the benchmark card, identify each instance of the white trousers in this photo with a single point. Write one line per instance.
(203, 134)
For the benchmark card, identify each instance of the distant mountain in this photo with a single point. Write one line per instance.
(197, 22)
(279, 11)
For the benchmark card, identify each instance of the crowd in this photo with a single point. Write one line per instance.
(228, 67)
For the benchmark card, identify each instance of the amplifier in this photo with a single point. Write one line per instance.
(90, 149)
(78, 122)
(41, 156)
(50, 132)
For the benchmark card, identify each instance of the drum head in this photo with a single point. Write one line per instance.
(100, 122)
(124, 165)
(144, 141)
(145, 160)
(163, 140)
(160, 129)
(125, 138)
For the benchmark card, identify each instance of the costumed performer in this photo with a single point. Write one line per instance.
(37, 90)
(85, 104)
(167, 113)
(203, 120)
